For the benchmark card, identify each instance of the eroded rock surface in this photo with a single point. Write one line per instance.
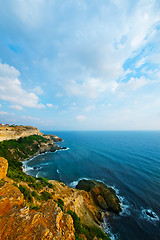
(51, 221)
(48, 223)
(104, 196)
(3, 167)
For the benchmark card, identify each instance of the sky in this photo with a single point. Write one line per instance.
(80, 64)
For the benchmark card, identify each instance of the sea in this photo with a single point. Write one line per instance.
(127, 161)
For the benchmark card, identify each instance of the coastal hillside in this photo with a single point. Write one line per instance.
(38, 208)
(15, 132)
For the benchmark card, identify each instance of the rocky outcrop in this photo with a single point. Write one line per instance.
(104, 197)
(3, 167)
(10, 196)
(48, 223)
(15, 132)
(17, 222)
(81, 202)
(51, 220)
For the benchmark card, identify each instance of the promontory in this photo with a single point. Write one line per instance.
(38, 208)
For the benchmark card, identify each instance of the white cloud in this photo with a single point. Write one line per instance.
(80, 118)
(109, 105)
(17, 107)
(30, 12)
(31, 118)
(91, 87)
(155, 58)
(134, 83)
(37, 90)
(49, 105)
(6, 113)
(141, 62)
(11, 88)
(90, 107)
(0, 105)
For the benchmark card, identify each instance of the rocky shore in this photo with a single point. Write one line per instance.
(37, 208)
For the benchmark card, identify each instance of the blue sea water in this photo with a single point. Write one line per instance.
(129, 161)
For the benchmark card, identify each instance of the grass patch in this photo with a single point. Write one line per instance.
(27, 193)
(36, 196)
(17, 150)
(2, 182)
(44, 182)
(35, 207)
(89, 232)
(45, 196)
(60, 203)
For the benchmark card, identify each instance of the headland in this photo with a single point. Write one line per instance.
(38, 208)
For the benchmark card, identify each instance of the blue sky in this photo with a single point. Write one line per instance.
(80, 65)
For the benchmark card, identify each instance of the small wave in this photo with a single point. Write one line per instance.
(108, 230)
(58, 171)
(65, 149)
(37, 175)
(45, 164)
(28, 168)
(74, 183)
(149, 215)
(124, 206)
(123, 203)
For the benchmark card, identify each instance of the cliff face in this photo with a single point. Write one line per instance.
(15, 132)
(51, 220)
(18, 222)
(3, 167)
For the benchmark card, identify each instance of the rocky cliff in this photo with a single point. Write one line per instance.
(65, 214)
(15, 132)
(36, 208)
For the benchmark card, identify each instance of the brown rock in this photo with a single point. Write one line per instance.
(3, 167)
(104, 196)
(9, 197)
(48, 223)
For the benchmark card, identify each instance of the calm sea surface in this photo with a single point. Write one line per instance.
(129, 161)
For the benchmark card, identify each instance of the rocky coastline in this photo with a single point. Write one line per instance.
(37, 208)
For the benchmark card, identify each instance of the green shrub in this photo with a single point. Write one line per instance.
(89, 232)
(45, 196)
(35, 207)
(2, 182)
(76, 222)
(15, 184)
(60, 203)
(44, 182)
(35, 195)
(36, 185)
(27, 193)
(50, 185)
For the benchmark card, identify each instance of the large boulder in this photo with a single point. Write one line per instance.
(3, 167)
(104, 196)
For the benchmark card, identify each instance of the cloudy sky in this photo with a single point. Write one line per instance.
(79, 64)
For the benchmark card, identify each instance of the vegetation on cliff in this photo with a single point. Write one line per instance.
(84, 230)
(17, 150)
(79, 208)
